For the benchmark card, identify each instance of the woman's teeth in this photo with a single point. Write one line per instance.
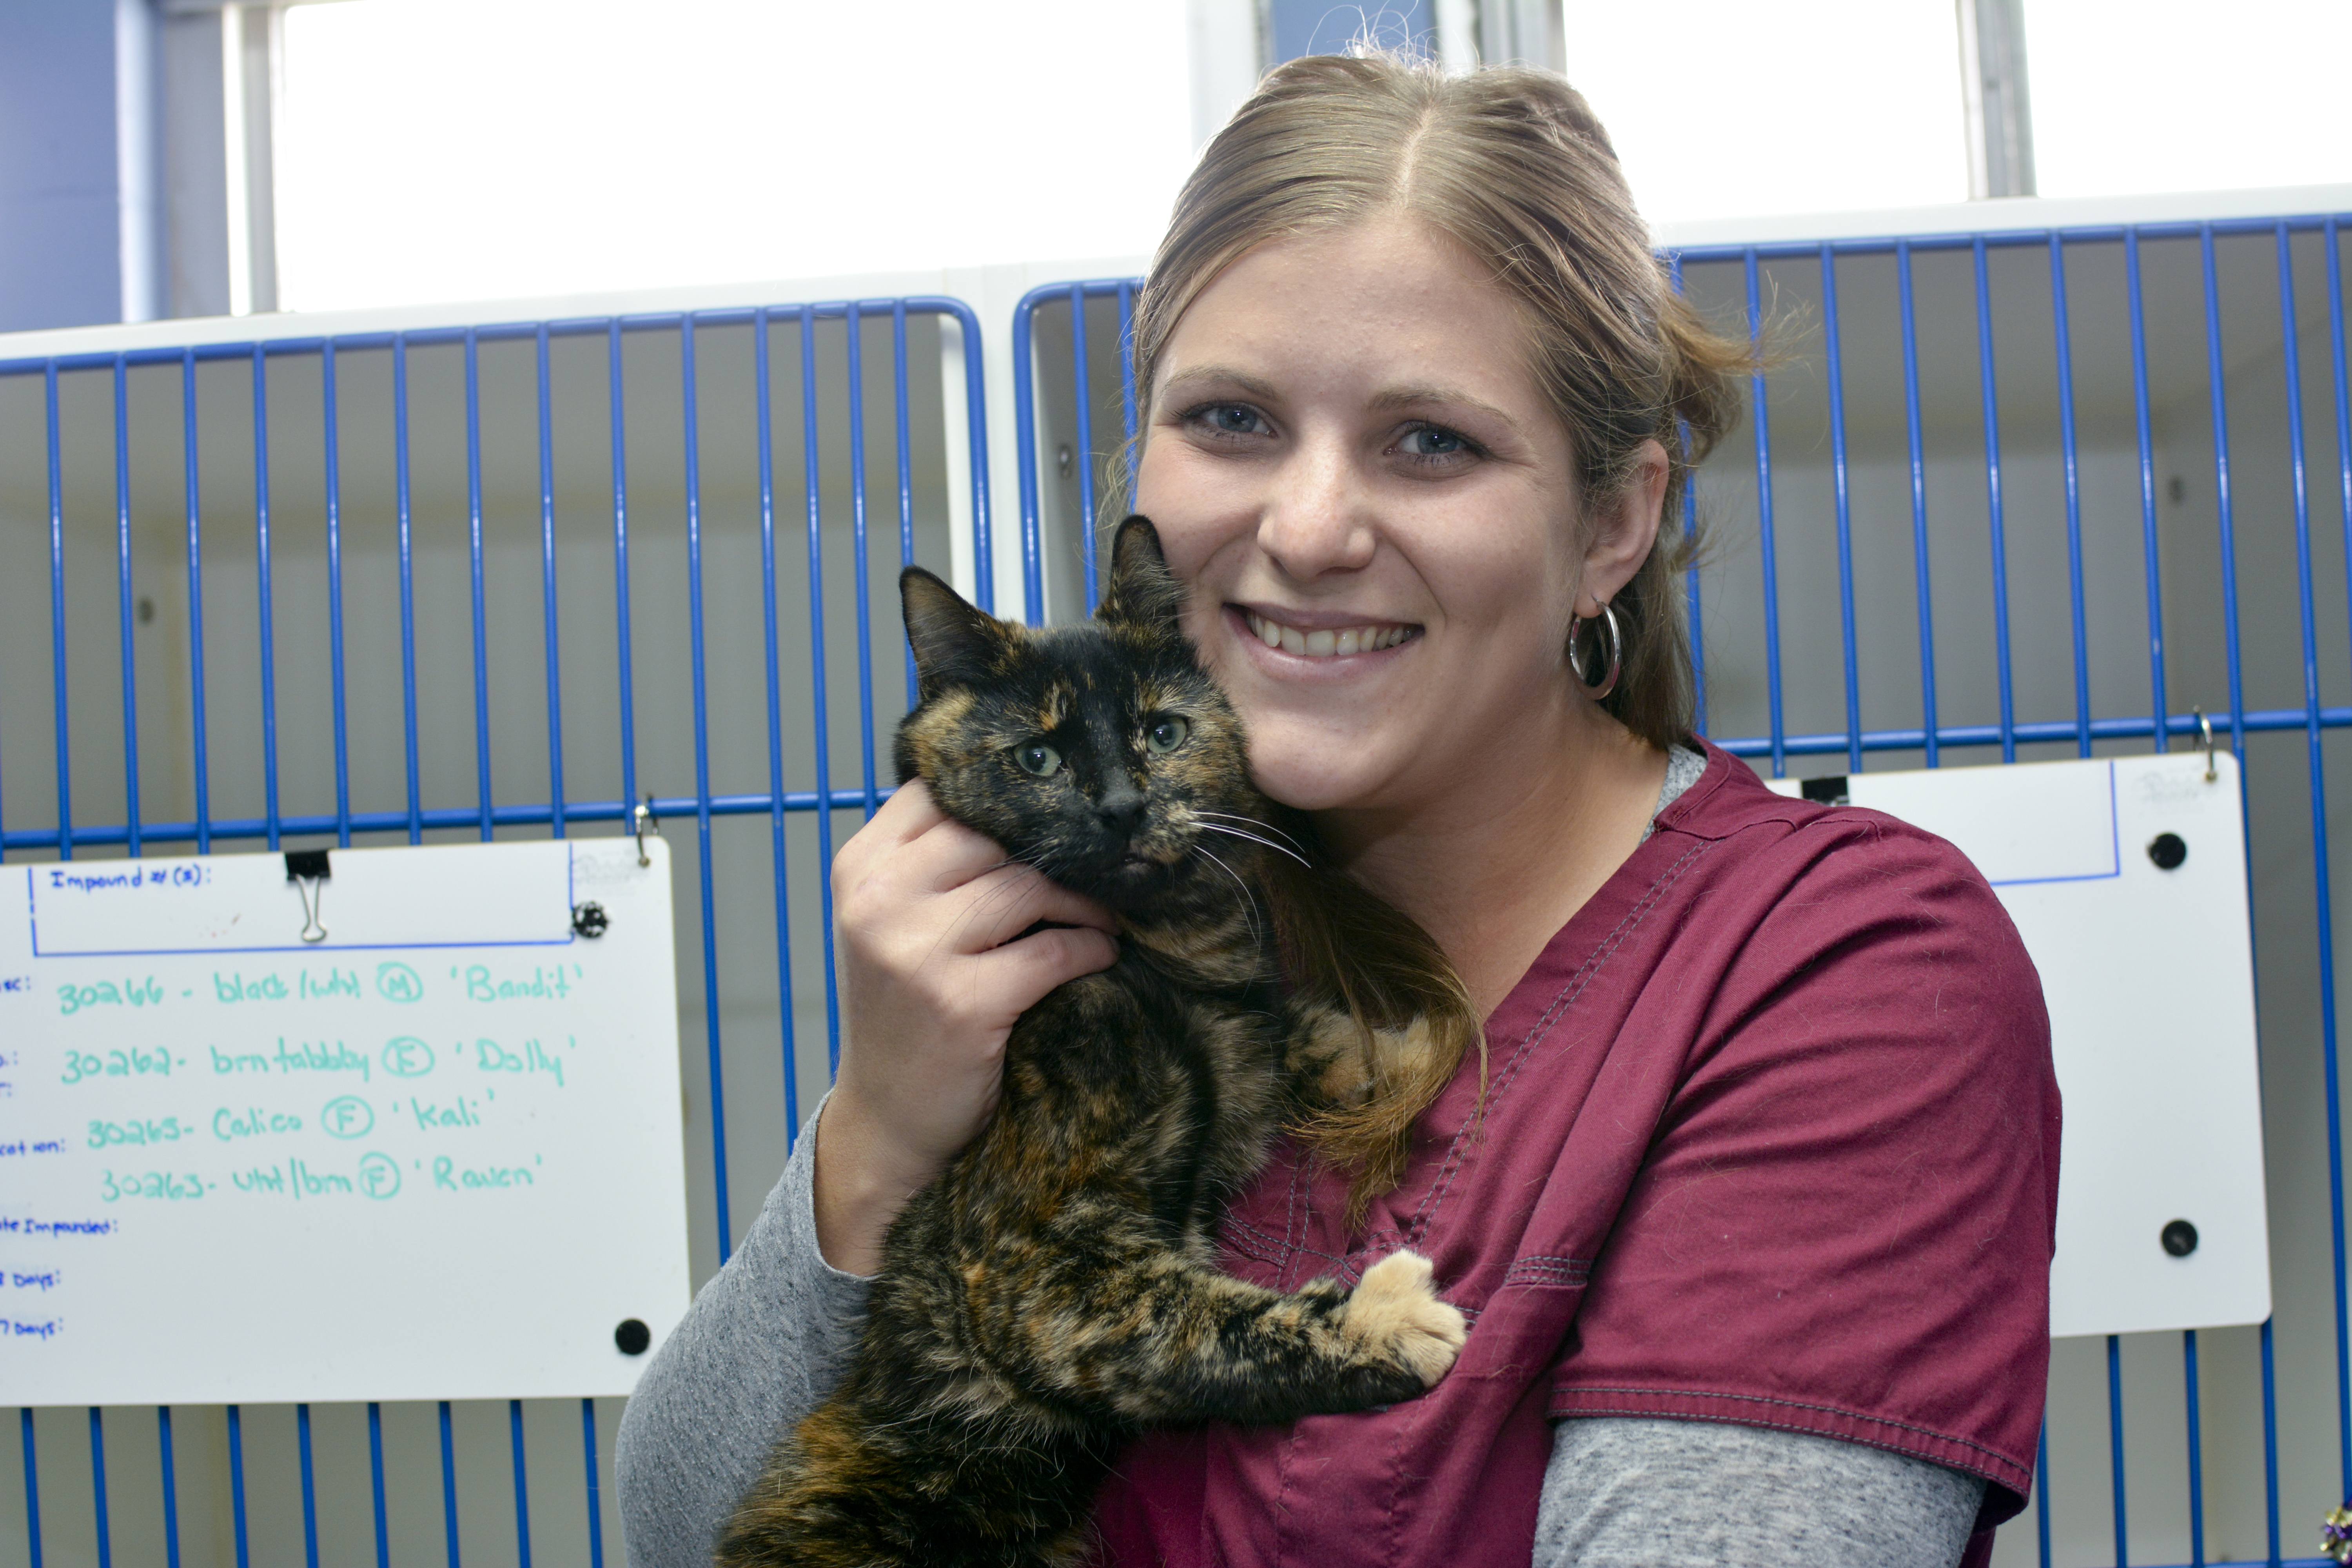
(1325, 644)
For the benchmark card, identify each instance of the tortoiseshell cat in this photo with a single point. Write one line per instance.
(1054, 1290)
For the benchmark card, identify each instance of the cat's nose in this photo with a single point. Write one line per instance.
(1120, 809)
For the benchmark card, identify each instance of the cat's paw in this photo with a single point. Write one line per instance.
(1394, 1312)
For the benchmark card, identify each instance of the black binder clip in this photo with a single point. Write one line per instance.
(307, 870)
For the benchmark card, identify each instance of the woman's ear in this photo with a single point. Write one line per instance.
(1624, 531)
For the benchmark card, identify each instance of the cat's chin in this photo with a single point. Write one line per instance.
(1126, 883)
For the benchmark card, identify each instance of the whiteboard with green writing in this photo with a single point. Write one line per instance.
(435, 1153)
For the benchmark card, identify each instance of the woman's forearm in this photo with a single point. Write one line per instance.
(1640, 1491)
(765, 1340)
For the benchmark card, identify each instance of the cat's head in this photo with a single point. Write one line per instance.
(1100, 753)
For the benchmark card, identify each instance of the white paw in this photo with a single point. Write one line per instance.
(1394, 1312)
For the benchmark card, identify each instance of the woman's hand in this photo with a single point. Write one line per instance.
(925, 912)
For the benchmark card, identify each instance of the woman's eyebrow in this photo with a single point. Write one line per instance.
(1223, 377)
(1423, 396)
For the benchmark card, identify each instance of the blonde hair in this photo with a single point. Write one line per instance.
(1511, 166)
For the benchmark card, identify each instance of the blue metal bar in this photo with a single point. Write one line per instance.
(817, 684)
(2115, 1446)
(1082, 396)
(310, 1489)
(693, 438)
(168, 1472)
(448, 1489)
(334, 478)
(595, 1488)
(99, 1513)
(1844, 511)
(126, 608)
(522, 1484)
(2196, 1449)
(58, 625)
(2150, 550)
(761, 398)
(2343, 391)
(975, 406)
(1761, 399)
(2041, 1491)
(549, 622)
(620, 558)
(2325, 932)
(906, 472)
(1025, 458)
(1993, 506)
(375, 1484)
(1134, 448)
(615, 392)
(1921, 561)
(31, 1484)
(199, 760)
(2255, 721)
(857, 352)
(263, 564)
(474, 555)
(2218, 393)
(407, 586)
(236, 1487)
(2269, 1440)
(2063, 338)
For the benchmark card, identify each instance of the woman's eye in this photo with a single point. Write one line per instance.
(1433, 441)
(1228, 419)
(1163, 735)
(1038, 758)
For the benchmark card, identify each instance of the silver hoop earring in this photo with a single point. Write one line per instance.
(1598, 689)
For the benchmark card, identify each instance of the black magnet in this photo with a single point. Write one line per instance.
(633, 1336)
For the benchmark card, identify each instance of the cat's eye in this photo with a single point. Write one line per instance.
(1038, 758)
(1165, 734)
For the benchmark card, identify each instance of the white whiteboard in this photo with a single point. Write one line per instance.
(436, 1155)
(2149, 976)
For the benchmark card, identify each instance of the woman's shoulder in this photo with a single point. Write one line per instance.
(1813, 842)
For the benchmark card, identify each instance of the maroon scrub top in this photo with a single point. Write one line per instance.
(1772, 1138)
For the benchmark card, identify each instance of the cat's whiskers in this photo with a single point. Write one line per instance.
(1253, 822)
(1249, 899)
(1270, 844)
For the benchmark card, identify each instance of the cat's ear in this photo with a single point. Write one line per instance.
(954, 644)
(1142, 592)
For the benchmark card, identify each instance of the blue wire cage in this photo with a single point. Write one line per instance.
(2002, 496)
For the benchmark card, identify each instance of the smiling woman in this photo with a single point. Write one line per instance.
(1755, 1248)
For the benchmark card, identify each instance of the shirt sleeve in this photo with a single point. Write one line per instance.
(1845, 1219)
(764, 1342)
(1624, 1492)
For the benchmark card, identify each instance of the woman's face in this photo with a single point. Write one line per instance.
(1375, 510)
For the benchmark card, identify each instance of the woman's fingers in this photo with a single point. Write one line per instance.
(1008, 900)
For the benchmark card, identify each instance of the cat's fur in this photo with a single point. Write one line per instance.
(1054, 1290)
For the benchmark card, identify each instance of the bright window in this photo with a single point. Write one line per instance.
(2133, 96)
(1730, 108)
(471, 149)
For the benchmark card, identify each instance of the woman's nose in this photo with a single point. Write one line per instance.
(1318, 517)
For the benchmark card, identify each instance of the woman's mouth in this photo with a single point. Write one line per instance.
(1326, 642)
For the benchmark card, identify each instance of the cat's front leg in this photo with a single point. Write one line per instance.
(1144, 1335)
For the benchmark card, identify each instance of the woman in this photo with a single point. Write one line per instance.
(1754, 1219)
